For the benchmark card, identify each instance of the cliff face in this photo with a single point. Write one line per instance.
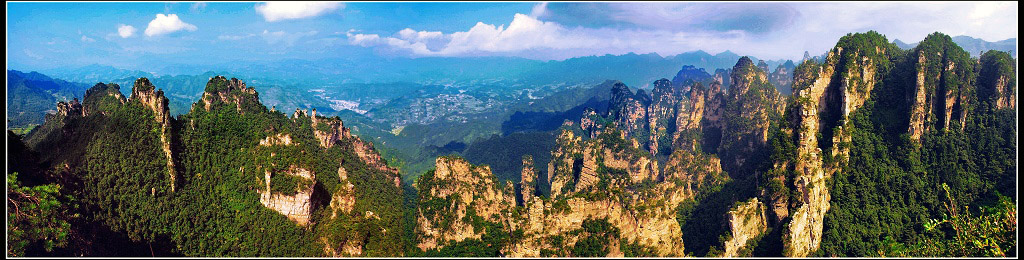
(298, 206)
(825, 95)
(222, 90)
(330, 131)
(144, 92)
(997, 80)
(746, 222)
(944, 86)
(746, 113)
(604, 178)
(607, 177)
(456, 199)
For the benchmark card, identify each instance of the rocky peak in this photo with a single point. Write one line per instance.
(943, 87)
(145, 93)
(744, 73)
(689, 75)
(64, 109)
(782, 77)
(528, 182)
(99, 96)
(453, 196)
(997, 81)
(827, 94)
(763, 66)
(229, 91)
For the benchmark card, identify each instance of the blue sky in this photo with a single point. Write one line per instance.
(135, 35)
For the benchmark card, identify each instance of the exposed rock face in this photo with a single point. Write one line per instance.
(297, 207)
(97, 96)
(344, 199)
(455, 194)
(804, 231)
(782, 77)
(662, 114)
(688, 173)
(747, 112)
(65, 109)
(221, 90)
(563, 161)
(920, 103)
(826, 94)
(997, 80)
(278, 139)
(943, 87)
(746, 222)
(528, 181)
(690, 114)
(630, 110)
(154, 100)
(329, 131)
(722, 77)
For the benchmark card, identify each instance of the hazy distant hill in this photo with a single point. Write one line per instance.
(30, 95)
(974, 46)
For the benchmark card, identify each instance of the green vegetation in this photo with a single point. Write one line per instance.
(595, 240)
(37, 217)
(889, 192)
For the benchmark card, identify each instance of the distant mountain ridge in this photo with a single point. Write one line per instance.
(972, 45)
(631, 68)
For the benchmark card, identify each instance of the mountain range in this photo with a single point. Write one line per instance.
(868, 150)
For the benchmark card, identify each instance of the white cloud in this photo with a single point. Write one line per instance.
(198, 7)
(87, 39)
(125, 31)
(164, 24)
(277, 11)
(529, 37)
(539, 10)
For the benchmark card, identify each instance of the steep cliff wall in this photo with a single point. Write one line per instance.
(746, 222)
(456, 198)
(144, 92)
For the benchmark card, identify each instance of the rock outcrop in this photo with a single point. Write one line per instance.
(455, 199)
(997, 80)
(298, 206)
(145, 93)
(943, 86)
(746, 222)
(232, 92)
(99, 98)
(746, 114)
(826, 94)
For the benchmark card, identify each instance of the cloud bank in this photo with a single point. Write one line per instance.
(766, 30)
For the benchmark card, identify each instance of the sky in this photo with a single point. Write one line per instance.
(133, 35)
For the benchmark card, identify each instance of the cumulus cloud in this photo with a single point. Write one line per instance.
(87, 39)
(125, 31)
(277, 11)
(164, 24)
